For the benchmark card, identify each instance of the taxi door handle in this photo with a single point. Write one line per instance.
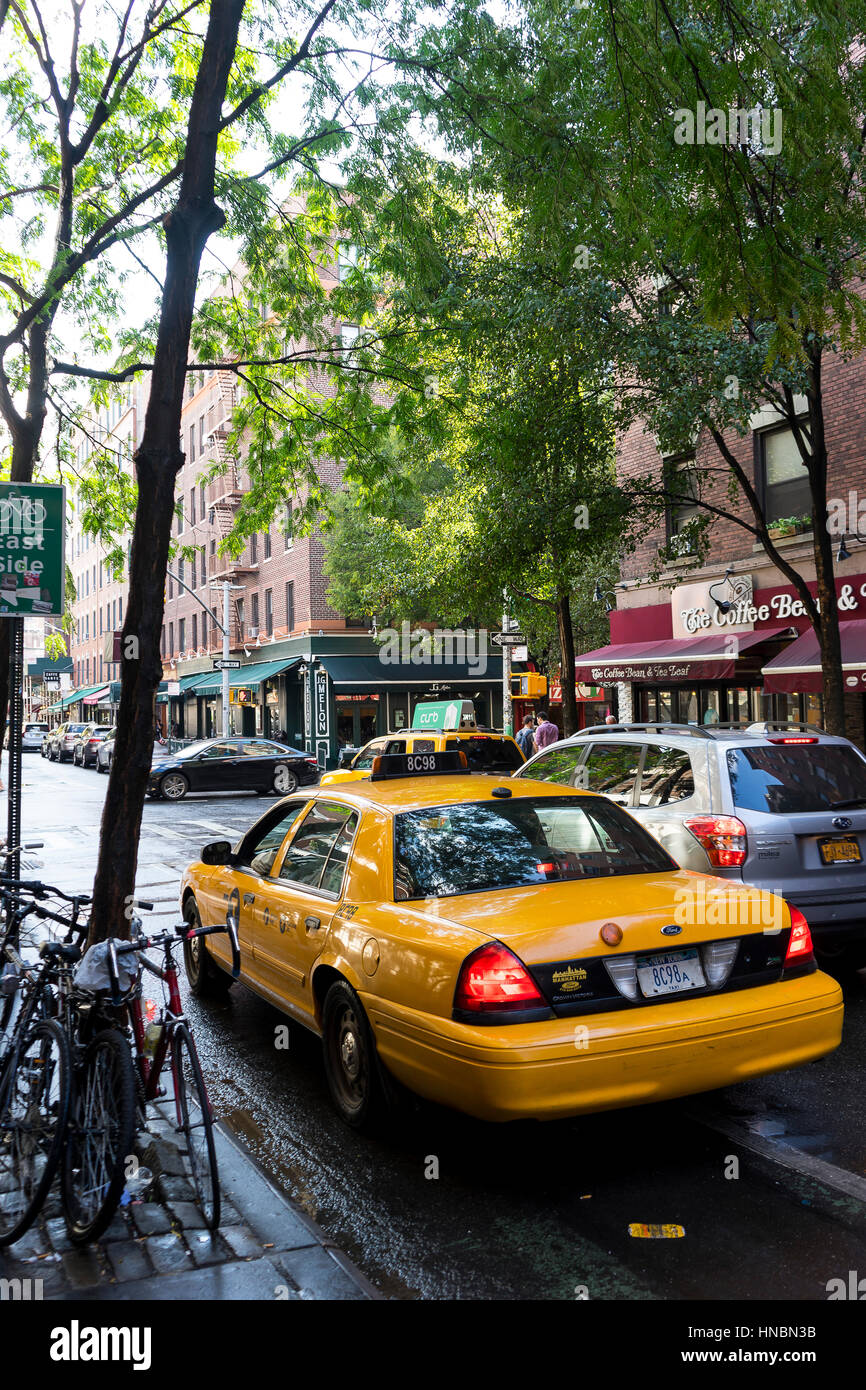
(249, 899)
(312, 923)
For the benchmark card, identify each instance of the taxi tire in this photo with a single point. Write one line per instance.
(362, 1100)
(206, 979)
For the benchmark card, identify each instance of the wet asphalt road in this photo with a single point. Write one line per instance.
(445, 1207)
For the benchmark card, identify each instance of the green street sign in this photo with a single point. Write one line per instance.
(32, 549)
(443, 714)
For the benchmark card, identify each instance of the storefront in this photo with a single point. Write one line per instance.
(723, 651)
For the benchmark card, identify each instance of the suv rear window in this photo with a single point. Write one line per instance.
(487, 754)
(785, 780)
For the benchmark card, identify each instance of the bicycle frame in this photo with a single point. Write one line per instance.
(150, 1068)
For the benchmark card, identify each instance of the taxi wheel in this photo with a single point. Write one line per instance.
(174, 786)
(351, 1061)
(206, 980)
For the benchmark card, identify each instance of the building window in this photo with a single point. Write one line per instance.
(254, 549)
(181, 634)
(254, 614)
(240, 613)
(349, 335)
(201, 499)
(180, 569)
(170, 587)
(347, 259)
(162, 641)
(194, 632)
(681, 480)
(201, 433)
(192, 506)
(204, 630)
(784, 479)
(289, 525)
(269, 612)
(290, 606)
(267, 543)
(120, 612)
(171, 639)
(192, 563)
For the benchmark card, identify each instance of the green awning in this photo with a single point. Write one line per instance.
(185, 682)
(75, 695)
(210, 683)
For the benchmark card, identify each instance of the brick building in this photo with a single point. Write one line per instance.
(726, 640)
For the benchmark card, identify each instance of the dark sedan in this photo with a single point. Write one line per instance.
(231, 765)
(87, 746)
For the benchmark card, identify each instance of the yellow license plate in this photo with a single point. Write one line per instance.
(843, 851)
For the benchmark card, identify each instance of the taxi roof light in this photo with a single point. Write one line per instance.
(493, 979)
(800, 947)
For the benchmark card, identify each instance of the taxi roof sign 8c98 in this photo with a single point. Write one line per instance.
(444, 714)
(32, 543)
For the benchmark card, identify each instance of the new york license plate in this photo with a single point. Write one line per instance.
(673, 972)
(844, 849)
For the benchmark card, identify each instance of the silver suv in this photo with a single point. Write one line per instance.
(779, 806)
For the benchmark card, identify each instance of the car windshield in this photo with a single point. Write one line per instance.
(488, 754)
(788, 778)
(481, 845)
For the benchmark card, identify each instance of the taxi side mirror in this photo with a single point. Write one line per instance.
(217, 852)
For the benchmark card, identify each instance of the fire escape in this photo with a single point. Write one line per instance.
(223, 496)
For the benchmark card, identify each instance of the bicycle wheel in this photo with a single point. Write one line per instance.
(100, 1136)
(34, 1109)
(194, 1120)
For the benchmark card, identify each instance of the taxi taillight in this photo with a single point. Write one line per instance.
(800, 945)
(493, 980)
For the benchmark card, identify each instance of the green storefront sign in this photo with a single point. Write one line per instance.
(443, 714)
(32, 537)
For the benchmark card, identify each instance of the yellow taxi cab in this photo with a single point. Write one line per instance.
(437, 727)
(513, 951)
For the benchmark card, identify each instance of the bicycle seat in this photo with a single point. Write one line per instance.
(60, 950)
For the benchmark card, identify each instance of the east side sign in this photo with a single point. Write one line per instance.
(32, 518)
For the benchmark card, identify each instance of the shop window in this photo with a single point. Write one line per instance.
(783, 476)
(666, 777)
(611, 770)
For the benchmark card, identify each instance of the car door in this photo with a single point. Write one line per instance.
(666, 796)
(215, 768)
(303, 897)
(611, 770)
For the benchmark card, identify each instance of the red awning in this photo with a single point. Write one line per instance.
(798, 668)
(97, 697)
(710, 657)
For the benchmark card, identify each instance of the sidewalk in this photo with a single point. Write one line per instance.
(266, 1248)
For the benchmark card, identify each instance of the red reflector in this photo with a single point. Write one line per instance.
(545, 868)
(800, 945)
(723, 838)
(493, 978)
(792, 740)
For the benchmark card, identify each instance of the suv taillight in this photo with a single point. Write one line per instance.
(800, 945)
(723, 838)
(493, 980)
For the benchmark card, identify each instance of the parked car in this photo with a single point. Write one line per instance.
(31, 737)
(105, 753)
(232, 764)
(781, 806)
(84, 752)
(62, 742)
(46, 742)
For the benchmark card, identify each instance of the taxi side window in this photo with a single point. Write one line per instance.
(260, 848)
(611, 769)
(423, 745)
(667, 776)
(366, 755)
(395, 745)
(327, 831)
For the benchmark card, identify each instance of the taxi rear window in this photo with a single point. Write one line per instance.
(477, 846)
(488, 754)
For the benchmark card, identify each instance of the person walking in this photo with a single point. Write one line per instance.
(545, 732)
(525, 739)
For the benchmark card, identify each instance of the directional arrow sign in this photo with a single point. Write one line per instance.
(508, 639)
(230, 663)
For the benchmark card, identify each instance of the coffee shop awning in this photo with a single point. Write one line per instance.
(798, 668)
(710, 657)
(210, 683)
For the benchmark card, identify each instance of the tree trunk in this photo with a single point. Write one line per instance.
(158, 460)
(827, 630)
(566, 651)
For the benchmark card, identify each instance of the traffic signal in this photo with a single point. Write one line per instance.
(529, 685)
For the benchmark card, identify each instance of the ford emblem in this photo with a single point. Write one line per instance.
(842, 822)
(671, 930)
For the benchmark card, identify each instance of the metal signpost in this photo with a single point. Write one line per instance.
(32, 549)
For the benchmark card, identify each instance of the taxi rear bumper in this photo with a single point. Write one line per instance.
(565, 1067)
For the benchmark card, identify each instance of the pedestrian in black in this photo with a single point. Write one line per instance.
(525, 739)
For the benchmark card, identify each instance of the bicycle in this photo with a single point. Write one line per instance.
(168, 1041)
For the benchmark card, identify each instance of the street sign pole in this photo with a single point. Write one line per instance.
(16, 720)
(507, 717)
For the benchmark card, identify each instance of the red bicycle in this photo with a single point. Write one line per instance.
(162, 1039)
